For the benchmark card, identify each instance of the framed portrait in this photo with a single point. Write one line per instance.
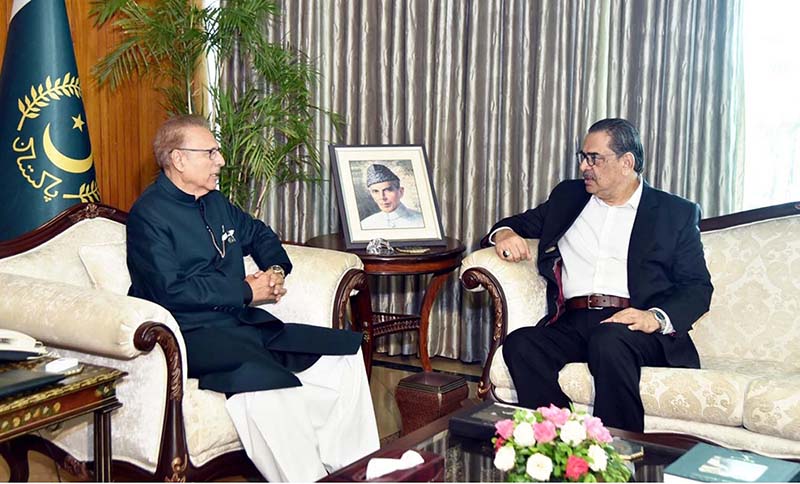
(386, 191)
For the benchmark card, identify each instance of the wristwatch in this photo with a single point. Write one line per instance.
(662, 321)
(278, 270)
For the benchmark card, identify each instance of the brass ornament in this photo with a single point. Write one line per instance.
(179, 466)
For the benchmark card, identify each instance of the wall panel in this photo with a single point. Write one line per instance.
(121, 123)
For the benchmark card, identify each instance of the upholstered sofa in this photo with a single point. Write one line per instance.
(747, 393)
(66, 285)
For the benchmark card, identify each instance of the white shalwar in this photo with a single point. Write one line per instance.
(300, 434)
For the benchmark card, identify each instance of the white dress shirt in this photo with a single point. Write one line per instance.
(594, 250)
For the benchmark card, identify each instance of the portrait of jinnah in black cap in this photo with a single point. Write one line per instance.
(386, 191)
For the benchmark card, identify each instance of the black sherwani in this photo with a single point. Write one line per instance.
(666, 265)
(173, 261)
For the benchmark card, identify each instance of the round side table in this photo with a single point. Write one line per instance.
(439, 261)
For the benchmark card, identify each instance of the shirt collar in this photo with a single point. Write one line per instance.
(400, 211)
(632, 202)
(173, 191)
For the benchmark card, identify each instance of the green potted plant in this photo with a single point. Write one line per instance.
(264, 124)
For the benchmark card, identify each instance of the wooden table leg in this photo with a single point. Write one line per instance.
(102, 445)
(425, 315)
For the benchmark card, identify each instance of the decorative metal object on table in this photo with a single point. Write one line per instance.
(439, 261)
(379, 246)
(91, 390)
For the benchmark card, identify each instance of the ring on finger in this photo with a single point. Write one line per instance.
(506, 254)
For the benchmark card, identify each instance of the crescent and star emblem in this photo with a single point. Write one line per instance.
(71, 165)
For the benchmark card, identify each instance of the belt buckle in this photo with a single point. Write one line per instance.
(589, 302)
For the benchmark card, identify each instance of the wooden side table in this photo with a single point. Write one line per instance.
(90, 391)
(439, 261)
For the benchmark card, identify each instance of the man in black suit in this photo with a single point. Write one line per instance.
(626, 279)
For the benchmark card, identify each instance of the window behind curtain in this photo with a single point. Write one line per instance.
(772, 102)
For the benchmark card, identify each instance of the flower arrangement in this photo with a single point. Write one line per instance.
(552, 443)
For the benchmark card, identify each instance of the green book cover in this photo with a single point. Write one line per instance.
(710, 463)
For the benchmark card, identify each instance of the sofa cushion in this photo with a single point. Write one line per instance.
(209, 429)
(107, 266)
(57, 258)
(755, 304)
(772, 406)
(716, 394)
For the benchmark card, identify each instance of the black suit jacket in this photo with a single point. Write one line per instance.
(666, 265)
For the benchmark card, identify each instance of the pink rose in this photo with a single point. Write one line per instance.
(558, 416)
(576, 467)
(544, 431)
(595, 429)
(504, 428)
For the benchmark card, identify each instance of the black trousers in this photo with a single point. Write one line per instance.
(615, 354)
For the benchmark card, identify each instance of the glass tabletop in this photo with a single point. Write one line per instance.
(470, 460)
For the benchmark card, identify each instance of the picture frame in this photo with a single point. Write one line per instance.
(386, 191)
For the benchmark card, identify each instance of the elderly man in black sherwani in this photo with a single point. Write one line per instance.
(626, 279)
(290, 406)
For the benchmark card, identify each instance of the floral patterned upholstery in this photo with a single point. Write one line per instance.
(747, 394)
(70, 292)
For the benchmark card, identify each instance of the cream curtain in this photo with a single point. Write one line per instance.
(500, 92)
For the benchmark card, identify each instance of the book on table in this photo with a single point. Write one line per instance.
(17, 380)
(711, 463)
(479, 424)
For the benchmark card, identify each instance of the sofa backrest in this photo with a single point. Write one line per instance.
(755, 309)
(57, 259)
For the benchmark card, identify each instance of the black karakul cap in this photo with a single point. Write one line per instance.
(377, 173)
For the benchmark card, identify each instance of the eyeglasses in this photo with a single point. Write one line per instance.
(212, 153)
(592, 159)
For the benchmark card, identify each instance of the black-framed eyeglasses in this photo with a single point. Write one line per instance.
(592, 159)
(212, 153)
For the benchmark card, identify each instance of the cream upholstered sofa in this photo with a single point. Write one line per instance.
(747, 393)
(66, 285)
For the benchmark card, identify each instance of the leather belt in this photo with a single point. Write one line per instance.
(597, 301)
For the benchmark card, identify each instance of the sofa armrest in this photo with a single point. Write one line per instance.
(517, 291)
(134, 335)
(73, 317)
(318, 287)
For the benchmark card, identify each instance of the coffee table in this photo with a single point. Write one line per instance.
(470, 460)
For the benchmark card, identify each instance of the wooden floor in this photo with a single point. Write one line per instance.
(387, 371)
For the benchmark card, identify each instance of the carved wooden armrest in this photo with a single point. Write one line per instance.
(517, 292)
(173, 460)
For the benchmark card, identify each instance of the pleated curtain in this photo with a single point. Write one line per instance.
(500, 93)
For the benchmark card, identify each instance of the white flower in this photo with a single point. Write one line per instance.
(573, 433)
(598, 457)
(539, 467)
(505, 458)
(523, 435)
